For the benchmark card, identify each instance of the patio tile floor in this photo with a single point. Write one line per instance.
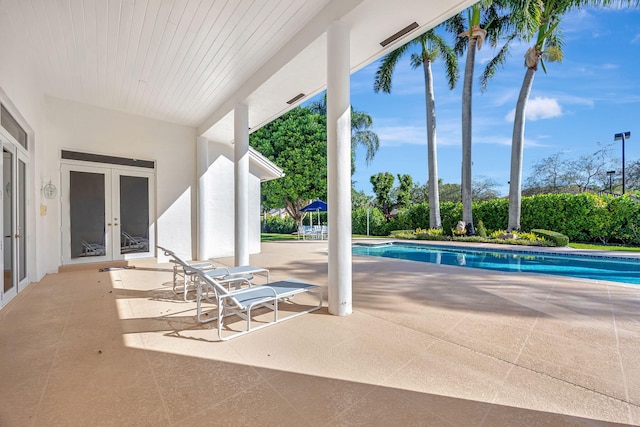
(425, 345)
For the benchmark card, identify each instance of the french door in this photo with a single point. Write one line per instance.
(14, 231)
(107, 213)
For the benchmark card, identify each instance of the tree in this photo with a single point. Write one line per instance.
(360, 199)
(297, 143)
(403, 198)
(483, 20)
(542, 20)
(361, 133)
(590, 171)
(382, 185)
(420, 193)
(632, 176)
(451, 193)
(484, 188)
(549, 175)
(431, 46)
(557, 175)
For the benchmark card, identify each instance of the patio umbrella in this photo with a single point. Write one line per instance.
(316, 206)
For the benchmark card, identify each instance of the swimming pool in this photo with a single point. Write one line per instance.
(624, 270)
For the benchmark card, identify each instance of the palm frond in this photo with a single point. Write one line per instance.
(450, 58)
(387, 66)
(456, 25)
(496, 62)
(369, 140)
(416, 60)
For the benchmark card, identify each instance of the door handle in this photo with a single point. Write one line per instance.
(17, 236)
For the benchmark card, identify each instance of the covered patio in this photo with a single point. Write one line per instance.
(425, 345)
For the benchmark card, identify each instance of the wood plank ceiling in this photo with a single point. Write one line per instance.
(165, 59)
(191, 61)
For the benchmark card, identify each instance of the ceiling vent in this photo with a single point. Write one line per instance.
(295, 98)
(399, 34)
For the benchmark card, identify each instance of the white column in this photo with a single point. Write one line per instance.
(339, 169)
(241, 175)
(202, 165)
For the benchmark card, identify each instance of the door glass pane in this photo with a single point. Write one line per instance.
(7, 226)
(22, 220)
(87, 205)
(134, 214)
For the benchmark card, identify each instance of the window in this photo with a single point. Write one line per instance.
(11, 125)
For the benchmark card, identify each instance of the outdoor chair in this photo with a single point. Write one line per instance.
(183, 270)
(133, 243)
(243, 301)
(92, 249)
(307, 232)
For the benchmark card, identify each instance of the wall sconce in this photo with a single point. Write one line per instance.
(49, 191)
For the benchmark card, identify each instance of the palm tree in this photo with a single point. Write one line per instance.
(483, 20)
(431, 46)
(543, 17)
(361, 134)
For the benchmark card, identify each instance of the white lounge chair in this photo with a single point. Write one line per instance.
(241, 302)
(182, 270)
(131, 243)
(92, 249)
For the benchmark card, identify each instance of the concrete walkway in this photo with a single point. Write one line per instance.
(426, 345)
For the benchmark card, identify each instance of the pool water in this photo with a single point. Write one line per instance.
(625, 270)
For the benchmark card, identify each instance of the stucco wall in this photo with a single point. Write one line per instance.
(220, 204)
(20, 92)
(73, 126)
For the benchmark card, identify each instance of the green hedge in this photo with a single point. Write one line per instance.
(582, 217)
(275, 224)
(377, 224)
(557, 238)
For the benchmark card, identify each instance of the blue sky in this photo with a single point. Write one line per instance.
(582, 101)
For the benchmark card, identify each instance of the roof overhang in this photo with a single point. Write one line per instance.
(299, 67)
(191, 62)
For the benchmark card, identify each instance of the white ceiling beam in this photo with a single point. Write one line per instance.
(298, 42)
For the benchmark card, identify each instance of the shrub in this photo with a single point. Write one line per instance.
(557, 238)
(276, 224)
(377, 222)
(481, 231)
(415, 216)
(447, 226)
(403, 234)
(494, 214)
(580, 217)
(625, 220)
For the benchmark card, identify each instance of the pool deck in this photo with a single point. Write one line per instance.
(426, 345)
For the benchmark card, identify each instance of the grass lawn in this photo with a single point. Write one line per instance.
(270, 237)
(604, 247)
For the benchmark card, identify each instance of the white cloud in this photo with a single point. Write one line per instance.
(539, 108)
(636, 39)
(391, 136)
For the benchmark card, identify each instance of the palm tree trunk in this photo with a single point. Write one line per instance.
(467, 215)
(432, 152)
(517, 146)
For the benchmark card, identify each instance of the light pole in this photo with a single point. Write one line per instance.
(618, 137)
(610, 175)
